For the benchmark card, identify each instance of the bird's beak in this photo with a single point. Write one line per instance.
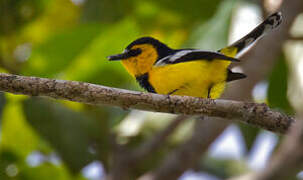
(126, 54)
(118, 57)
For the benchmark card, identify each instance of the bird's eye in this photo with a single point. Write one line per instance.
(134, 52)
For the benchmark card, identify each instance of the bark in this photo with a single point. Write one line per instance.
(251, 113)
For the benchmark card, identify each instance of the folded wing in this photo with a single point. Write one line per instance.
(187, 55)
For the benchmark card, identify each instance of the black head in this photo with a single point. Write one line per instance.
(162, 49)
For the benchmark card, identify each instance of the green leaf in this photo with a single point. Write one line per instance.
(250, 134)
(106, 10)
(277, 89)
(71, 133)
(45, 171)
(223, 168)
(2, 104)
(191, 10)
(52, 56)
(92, 65)
(213, 34)
(17, 135)
(15, 14)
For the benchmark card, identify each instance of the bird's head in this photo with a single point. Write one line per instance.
(140, 55)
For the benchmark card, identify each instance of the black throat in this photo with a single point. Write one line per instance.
(143, 81)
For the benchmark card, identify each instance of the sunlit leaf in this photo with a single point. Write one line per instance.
(45, 171)
(17, 134)
(93, 66)
(58, 15)
(59, 51)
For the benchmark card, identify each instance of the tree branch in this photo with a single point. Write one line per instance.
(288, 160)
(296, 38)
(187, 154)
(252, 113)
(123, 165)
(156, 141)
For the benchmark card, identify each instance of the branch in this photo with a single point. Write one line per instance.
(295, 38)
(288, 160)
(156, 141)
(124, 164)
(189, 152)
(252, 113)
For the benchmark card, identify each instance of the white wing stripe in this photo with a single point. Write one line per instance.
(179, 54)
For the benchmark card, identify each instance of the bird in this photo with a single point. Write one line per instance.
(188, 72)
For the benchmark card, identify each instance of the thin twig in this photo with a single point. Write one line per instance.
(252, 113)
(296, 38)
(189, 152)
(124, 164)
(156, 141)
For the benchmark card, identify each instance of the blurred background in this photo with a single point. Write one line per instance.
(69, 39)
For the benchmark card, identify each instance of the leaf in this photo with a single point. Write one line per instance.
(223, 168)
(17, 135)
(106, 10)
(45, 171)
(2, 105)
(277, 89)
(191, 10)
(92, 65)
(250, 134)
(13, 15)
(213, 34)
(71, 133)
(52, 56)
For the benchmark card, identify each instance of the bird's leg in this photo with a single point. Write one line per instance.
(170, 93)
(209, 90)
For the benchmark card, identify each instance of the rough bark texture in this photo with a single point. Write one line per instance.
(252, 113)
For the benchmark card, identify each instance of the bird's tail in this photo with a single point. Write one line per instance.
(271, 22)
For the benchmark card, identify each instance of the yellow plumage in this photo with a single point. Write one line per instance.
(190, 72)
(190, 78)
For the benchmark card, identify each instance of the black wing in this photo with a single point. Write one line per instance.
(192, 55)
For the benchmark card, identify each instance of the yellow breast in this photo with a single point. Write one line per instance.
(190, 78)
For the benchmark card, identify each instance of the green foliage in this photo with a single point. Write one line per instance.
(212, 34)
(24, 12)
(223, 168)
(71, 41)
(70, 133)
(53, 55)
(250, 134)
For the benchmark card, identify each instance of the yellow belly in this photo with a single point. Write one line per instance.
(193, 78)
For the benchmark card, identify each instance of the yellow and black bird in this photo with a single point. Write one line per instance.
(191, 72)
